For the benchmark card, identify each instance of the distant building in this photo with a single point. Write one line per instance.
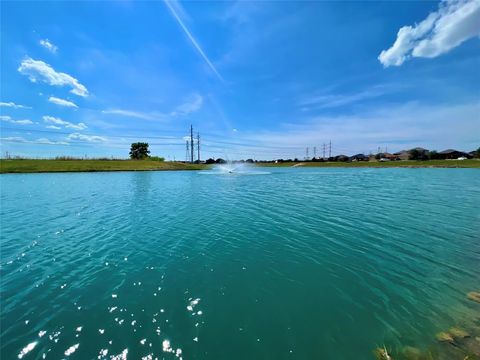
(388, 156)
(453, 154)
(359, 157)
(405, 154)
(341, 158)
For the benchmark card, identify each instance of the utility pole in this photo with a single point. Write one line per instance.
(306, 153)
(187, 151)
(314, 151)
(324, 150)
(330, 149)
(198, 147)
(191, 144)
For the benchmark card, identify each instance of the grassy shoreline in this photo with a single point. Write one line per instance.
(45, 166)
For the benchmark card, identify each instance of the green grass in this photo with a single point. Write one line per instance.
(70, 165)
(473, 163)
(35, 166)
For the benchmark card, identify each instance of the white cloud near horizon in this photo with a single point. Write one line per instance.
(176, 9)
(62, 102)
(39, 71)
(83, 137)
(47, 44)
(453, 23)
(19, 139)
(396, 126)
(7, 118)
(13, 105)
(66, 124)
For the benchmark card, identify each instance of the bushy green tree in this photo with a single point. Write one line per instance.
(139, 151)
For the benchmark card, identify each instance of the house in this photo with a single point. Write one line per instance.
(403, 154)
(341, 158)
(406, 154)
(388, 156)
(359, 157)
(453, 154)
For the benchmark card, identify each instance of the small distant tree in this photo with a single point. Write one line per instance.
(210, 161)
(414, 155)
(477, 153)
(139, 151)
(434, 155)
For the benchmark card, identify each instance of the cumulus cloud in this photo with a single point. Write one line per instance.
(12, 121)
(13, 105)
(47, 44)
(62, 102)
(66, 124)
(453, 23)
(39, 71)
(83, 137)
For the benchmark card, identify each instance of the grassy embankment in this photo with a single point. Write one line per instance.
(36, 166)
(472, 163)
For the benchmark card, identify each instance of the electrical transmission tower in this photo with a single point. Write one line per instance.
(187, 151)
(323, 150)
(330, 149)
(191, 144)
(314, 151)
(306, 153)
(198, 147)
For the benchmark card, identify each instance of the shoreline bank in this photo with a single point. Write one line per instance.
(15, 166)
(22, 166)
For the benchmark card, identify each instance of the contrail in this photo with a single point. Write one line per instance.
(192, 39)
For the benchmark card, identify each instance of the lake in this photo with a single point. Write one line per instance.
(284, 264)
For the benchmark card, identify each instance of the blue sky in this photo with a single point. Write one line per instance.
(256, 79)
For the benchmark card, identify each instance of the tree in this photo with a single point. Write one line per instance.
(139, 151)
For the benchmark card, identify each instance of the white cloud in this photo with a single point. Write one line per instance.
(176, 9)
(136, 114)
(62, 102)
(453, 23)
(192, 105)
(336, 100)
(50, 142)
(39, 71)
(13, 105)
(66, 124)
(89, 138)
(400, 127)
(18, 122)
(20, 139)
(53, 127)
(47, 44)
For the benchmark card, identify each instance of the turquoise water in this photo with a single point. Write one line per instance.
(285, 264)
